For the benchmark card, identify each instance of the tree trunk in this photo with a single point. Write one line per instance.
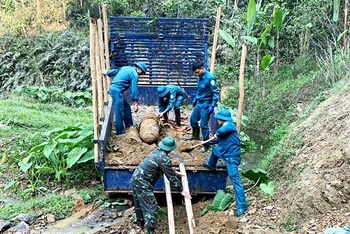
(241, 86)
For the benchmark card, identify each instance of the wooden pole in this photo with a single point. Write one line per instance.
(169, 202)
(94, 84)
(102, 60)
(213, 124)
(215, 42)
(106, 35)
(345, 38)
(99, 78)
(241, 87)
(235, 4)
(188, 204)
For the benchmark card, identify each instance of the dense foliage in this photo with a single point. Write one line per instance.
(49, 59)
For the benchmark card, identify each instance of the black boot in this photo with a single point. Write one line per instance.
(165, 118)
(177, 117)
(195, 134)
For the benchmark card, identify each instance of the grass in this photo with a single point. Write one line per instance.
(24, 121)
(58, 205)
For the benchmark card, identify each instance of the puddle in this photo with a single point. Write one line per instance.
(79, 223)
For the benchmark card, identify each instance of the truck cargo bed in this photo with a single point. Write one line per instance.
(118, 168)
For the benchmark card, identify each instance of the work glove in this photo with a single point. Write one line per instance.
(194, 102)
(210, 109)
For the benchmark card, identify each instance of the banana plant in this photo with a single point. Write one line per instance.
(278, 20)
(265, 65)
(64, 148)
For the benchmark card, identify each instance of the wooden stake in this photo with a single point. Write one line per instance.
(241, 86)
(99, 78)
(106, 41)
(102, 60)
(94, 84)
(188, 203)
(345, 37)
(215, 42)
(169, 202)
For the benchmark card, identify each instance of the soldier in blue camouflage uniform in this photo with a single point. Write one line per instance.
(122, 79)
(170, 96)
(146, 175)
(229, 150)
(204, 102)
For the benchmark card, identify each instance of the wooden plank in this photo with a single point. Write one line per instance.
(102, 60)
(99, 77)
(169, 202)
(188, 203)
(215, 42)
(106, 37)
(94, 84)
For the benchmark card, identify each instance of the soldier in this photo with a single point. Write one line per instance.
(170, 96)
(229, 150)
(204, 102)
(122, 79)
(146, 175)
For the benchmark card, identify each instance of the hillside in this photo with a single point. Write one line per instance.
(313, 183)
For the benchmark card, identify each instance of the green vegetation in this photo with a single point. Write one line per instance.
(44, 145)
(57, 205)
(221, 202)
(296, 56)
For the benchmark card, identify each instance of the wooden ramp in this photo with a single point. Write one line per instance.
(188, 203)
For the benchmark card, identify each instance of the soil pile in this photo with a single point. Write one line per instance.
(139, 141)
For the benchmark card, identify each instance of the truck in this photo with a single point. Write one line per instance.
(168, 46)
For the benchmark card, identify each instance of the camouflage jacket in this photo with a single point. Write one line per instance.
(153, 166)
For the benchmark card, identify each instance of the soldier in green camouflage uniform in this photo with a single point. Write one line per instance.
(146, 175)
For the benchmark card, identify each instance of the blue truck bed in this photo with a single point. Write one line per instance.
(168, 46)
(117, 178)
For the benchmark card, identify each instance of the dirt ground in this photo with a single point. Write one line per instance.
(312, 190)
(130, 149)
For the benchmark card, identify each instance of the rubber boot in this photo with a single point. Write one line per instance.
(177, 117)
(211, 163)
(165, 118)
(195, 134)
(205, 147)
(151, 230)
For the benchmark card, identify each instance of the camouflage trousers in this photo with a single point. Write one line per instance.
(145, 205)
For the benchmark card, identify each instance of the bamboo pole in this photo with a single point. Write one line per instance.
(99, 78)
(241, 86)
(102, 60)
(169, 201)
(94, 84)
(235, 4)
(106, 36)
(345, 40)
(188, 203)
(215, 42)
